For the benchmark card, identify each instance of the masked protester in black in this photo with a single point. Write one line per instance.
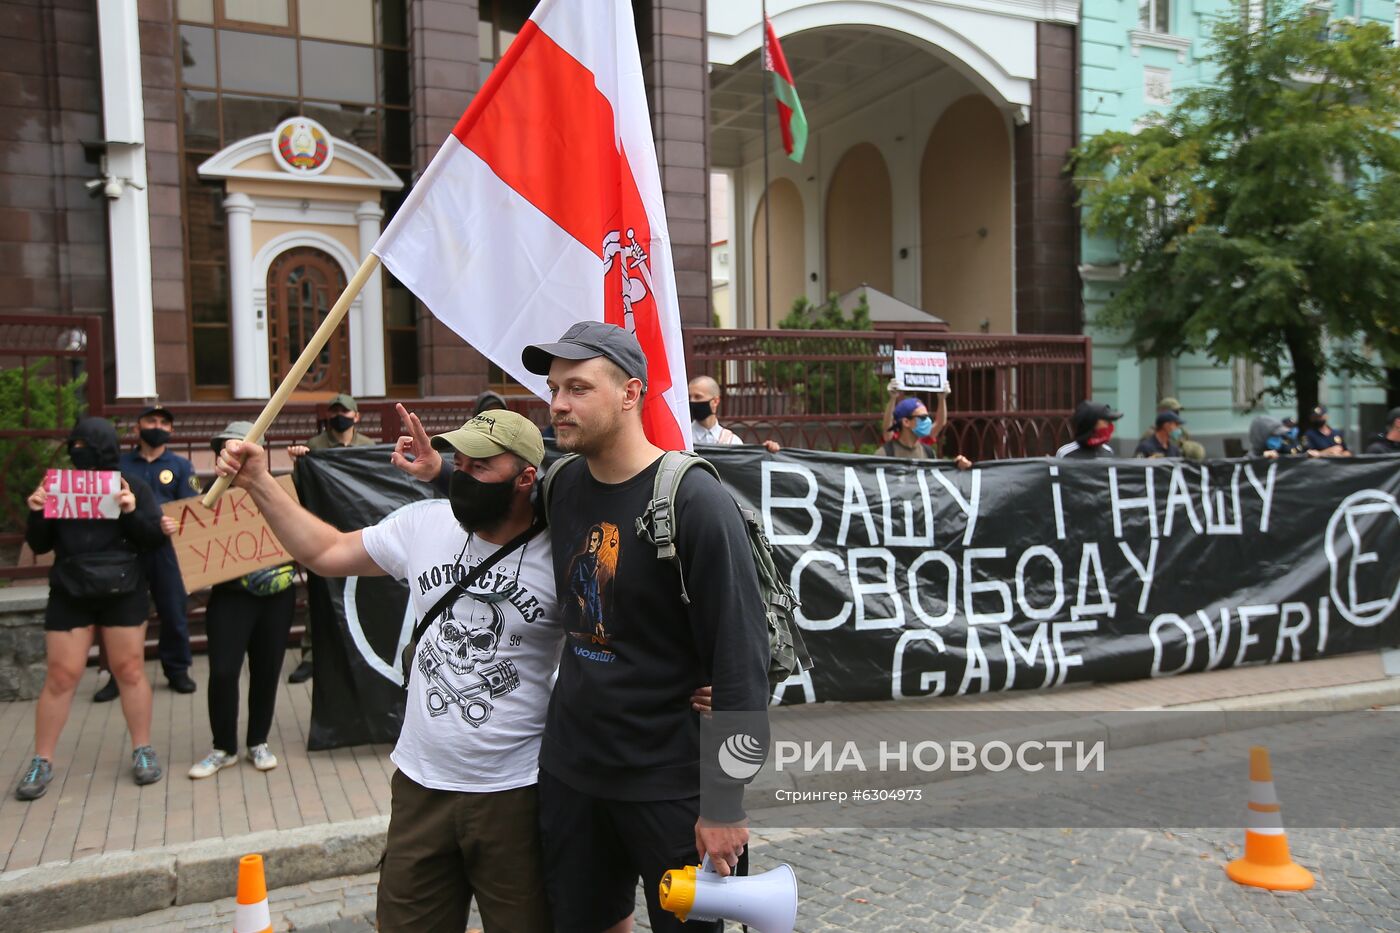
(96, 583)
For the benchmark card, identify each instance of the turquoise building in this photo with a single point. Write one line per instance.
(1134, 58)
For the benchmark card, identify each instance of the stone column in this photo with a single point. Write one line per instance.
(246, 327)
(445, 77)
(671, 35)
(369, 355)
(1048, 297)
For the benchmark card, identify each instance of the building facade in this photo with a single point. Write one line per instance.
(1135, 58)
(205, 175)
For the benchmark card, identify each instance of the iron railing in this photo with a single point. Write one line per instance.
(1011, 395)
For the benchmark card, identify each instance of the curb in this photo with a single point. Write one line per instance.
(124, 885)
(121, 885)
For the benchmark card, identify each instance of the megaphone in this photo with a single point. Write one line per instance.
(766, 903)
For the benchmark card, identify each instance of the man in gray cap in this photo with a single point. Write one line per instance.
(619, 773)
(463, 813)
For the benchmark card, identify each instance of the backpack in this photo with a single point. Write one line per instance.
(657, 526)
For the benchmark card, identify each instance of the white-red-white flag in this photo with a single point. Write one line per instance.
(544, 208)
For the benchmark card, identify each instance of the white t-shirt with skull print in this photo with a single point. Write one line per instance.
(482, 676)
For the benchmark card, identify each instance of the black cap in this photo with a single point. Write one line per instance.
(155, 408)
(1168, 417)
(1319, 410)
(1392, 416)
(586, 340)
(1097, 410)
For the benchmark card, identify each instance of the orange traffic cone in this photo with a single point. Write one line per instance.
(252, 914)
(1266, 862)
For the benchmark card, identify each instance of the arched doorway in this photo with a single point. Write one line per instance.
(786, 229)
(302, 285)
(859, 226)
(967, 224)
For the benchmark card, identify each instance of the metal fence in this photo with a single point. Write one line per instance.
(825, 390)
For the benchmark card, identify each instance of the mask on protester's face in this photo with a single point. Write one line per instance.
(1276, 442)
(83, 458)
(1176, 434)
(478, 505)
(699, 411)
(1100, 436)
(155, 437)
(341, 423)
(923, 426)
(1292, 434)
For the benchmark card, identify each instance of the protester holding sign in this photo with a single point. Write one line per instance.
(96, 582)
(463, 815)
(249, 616)
(911, 426)
(170, 477)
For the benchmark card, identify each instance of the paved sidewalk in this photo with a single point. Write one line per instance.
(93, 809)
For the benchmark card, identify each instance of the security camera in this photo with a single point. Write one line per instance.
(112, 188)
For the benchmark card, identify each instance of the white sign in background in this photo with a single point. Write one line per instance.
(921, 371)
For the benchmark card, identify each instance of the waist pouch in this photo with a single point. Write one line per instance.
(91, 576)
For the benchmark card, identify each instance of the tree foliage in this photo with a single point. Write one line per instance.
(826, 375)
(31, 398)
(1260, 217)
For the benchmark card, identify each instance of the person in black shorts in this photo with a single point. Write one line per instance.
(619, 783)
(96, 583)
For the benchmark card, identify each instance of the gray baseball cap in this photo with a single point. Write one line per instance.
(236, 431)
(586, 340)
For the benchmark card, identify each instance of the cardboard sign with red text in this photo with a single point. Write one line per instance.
(225, 542)
(82, 494)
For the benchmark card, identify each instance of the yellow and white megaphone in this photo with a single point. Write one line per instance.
(766, 903)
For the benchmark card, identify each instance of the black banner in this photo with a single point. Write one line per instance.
(918, 579)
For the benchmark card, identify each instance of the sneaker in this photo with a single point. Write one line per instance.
(262, 758)
(35, 780)
(301, 675)
(182, 682)
(108, 693)
(212, 763)
(145, 766)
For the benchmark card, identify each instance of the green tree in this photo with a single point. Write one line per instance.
(1260, 217)
(826, 375)
(32, 399)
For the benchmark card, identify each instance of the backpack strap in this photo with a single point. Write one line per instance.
(658, 523)
(547, 484)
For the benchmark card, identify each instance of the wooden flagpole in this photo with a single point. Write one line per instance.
(294, 375)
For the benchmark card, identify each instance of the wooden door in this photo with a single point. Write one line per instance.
(302, 285)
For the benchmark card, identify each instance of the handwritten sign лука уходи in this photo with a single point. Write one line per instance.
(919, 371)
(225, 542)
(82, 494)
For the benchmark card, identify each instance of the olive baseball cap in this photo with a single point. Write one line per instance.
(344, 401)
(494, 432)
(586, 340)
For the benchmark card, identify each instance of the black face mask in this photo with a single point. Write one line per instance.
(479, 505)
(699, 411)
(341, 423)
(84, 458)
(155, 437)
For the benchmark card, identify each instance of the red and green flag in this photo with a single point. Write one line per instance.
(790, 115)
